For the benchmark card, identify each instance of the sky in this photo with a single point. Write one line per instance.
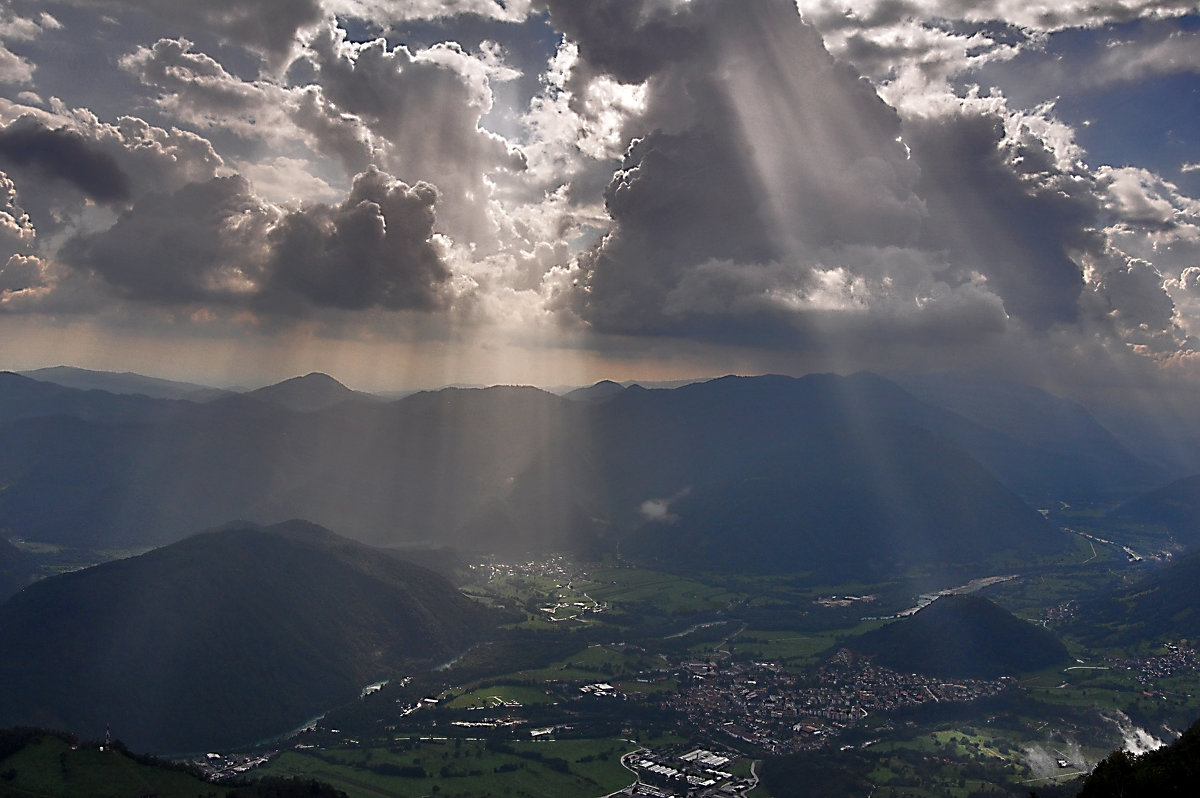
(553, 192)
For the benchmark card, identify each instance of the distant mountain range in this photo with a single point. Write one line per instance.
(124, 383)
(800, 462)
(1063, 451)
(963, 636)
(223, 638)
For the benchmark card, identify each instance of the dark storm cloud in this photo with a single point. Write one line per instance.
(374, 249)
(630, 40)
(1005, 212)
(215, 241)
(760, 157)
(770, 196)
(63, 155)
(1129, 298)
(171, 247)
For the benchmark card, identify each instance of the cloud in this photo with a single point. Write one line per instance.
(708, 177)
(268, 27)
(742, 160)
(187, 246)
(67, 163)
(13, 68)
(779, 204)
(286, 180)
(20, 273)
(788, 206)
(24, 282)
(15, 227)
(217, 242)
(375, 249)
(198, 89)
(1038, 17)
(420, 112)
(1141, 198)
(389, 11)
(415, 114)
(16, 69)
(912, 49)
(659, 510)
(1132, 61)
(1000, 206)
(63, 155)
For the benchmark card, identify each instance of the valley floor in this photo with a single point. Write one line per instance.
(621, 678)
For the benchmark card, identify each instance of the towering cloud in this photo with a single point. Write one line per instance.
(375, 249)
(758, 165)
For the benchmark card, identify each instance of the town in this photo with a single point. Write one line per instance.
(776, 711)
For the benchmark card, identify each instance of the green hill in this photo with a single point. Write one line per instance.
(1175, 506)
(224, 638)
(962, 637)
(37, 762)
(1161, 606)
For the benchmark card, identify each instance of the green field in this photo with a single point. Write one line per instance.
(671, 594)
(466, 768)
(499, 695)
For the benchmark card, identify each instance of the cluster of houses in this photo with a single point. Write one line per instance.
(762, 704)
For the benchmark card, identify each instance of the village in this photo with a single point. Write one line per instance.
(772, 709)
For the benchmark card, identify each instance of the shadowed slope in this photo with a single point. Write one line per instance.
(962, 637)
(223, 638)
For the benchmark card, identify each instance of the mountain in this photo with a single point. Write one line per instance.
(605, 389)
(1175, 506)
(417, 469)
(24, 398)
(314, 391)
(124, 383)
(508, 467)
(17, 569)
(1159, 607)
(962, 636)
(224, 638)
(1166, 433)
(1077, 458)
(843, 505)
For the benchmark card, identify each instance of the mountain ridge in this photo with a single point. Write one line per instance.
(516, 467)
